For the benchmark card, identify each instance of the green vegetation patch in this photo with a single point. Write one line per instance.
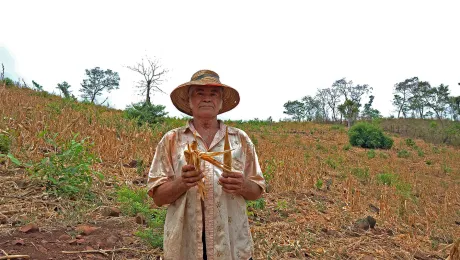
(135, 202)
(367, 135)
(66, 169)
(5, 143)
(390, 179)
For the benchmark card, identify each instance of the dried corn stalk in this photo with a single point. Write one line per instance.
(227, 156)
(194, 156)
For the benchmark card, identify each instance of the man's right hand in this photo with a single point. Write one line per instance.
(191, 176)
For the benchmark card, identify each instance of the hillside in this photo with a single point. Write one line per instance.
(320, 188)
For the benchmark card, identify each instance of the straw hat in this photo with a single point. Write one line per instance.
(180, 98)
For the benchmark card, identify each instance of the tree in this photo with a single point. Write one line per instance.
(37, 86)
(321, 98)
(369, 112)
(98, 80)
(312, 109)
(349, 110)
(64, 89)
(152, 74)
(420, 91)
(454, 107)
(438, 100)
(402, 94)
(332, 96)
(351, 93)
(296, 109)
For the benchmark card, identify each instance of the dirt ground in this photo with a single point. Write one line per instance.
(30, 225)
(111, 239)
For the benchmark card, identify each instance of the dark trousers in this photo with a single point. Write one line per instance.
(203, 239)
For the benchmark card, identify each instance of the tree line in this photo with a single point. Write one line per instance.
(99, 82)
(344, 101)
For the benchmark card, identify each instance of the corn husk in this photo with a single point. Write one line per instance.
(194, 156)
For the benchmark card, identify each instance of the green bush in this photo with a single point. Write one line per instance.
(319, 184)
(67, 169)
(361, 173)
(403, 154)
(387, 178)
(369, 136)
(251, 205)
(8, 82)
(371, 154)
(5, 143)
(410, 142)
(145, 113)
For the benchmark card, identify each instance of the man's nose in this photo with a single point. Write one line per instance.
(207, 98)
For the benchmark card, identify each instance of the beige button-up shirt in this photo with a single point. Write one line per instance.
(226, 224)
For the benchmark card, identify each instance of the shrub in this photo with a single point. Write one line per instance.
(251, 205)
(319, 184)
(371, 154)
(145, 113)
(387, 179)
(8, 82)
(361, 173)
(332, 163)
(403, 154)
(5, 143)
(410, 142)
(369, 136)
(67, 169)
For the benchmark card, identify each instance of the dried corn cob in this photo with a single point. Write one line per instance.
(193, 156)
(227, 156)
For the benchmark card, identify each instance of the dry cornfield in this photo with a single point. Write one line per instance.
(319, 186)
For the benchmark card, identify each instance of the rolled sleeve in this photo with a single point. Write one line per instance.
(161, 169)
(252, 169)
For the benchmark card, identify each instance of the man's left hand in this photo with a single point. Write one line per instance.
(232, 182)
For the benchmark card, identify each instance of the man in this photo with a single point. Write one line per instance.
(216, 227)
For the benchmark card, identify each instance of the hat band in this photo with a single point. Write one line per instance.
(206, 75)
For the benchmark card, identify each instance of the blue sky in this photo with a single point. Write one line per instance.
(270, 51)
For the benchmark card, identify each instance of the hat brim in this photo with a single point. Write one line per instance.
(180, 98)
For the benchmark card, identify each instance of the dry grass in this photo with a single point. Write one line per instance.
(318, 186)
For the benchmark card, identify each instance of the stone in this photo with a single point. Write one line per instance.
(374, 208)
(64, 237)
(3, 219)
(111, 212)
(86, 229)
(366, 223)
(18, 242)
(111, 241)
(29, 228)
(42, 249)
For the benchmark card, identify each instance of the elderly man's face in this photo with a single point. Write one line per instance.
(205, 101)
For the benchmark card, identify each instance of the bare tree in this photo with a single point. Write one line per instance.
(332, 96)
(152, 74)
(321, 96)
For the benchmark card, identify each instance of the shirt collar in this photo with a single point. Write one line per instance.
(189, 127)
